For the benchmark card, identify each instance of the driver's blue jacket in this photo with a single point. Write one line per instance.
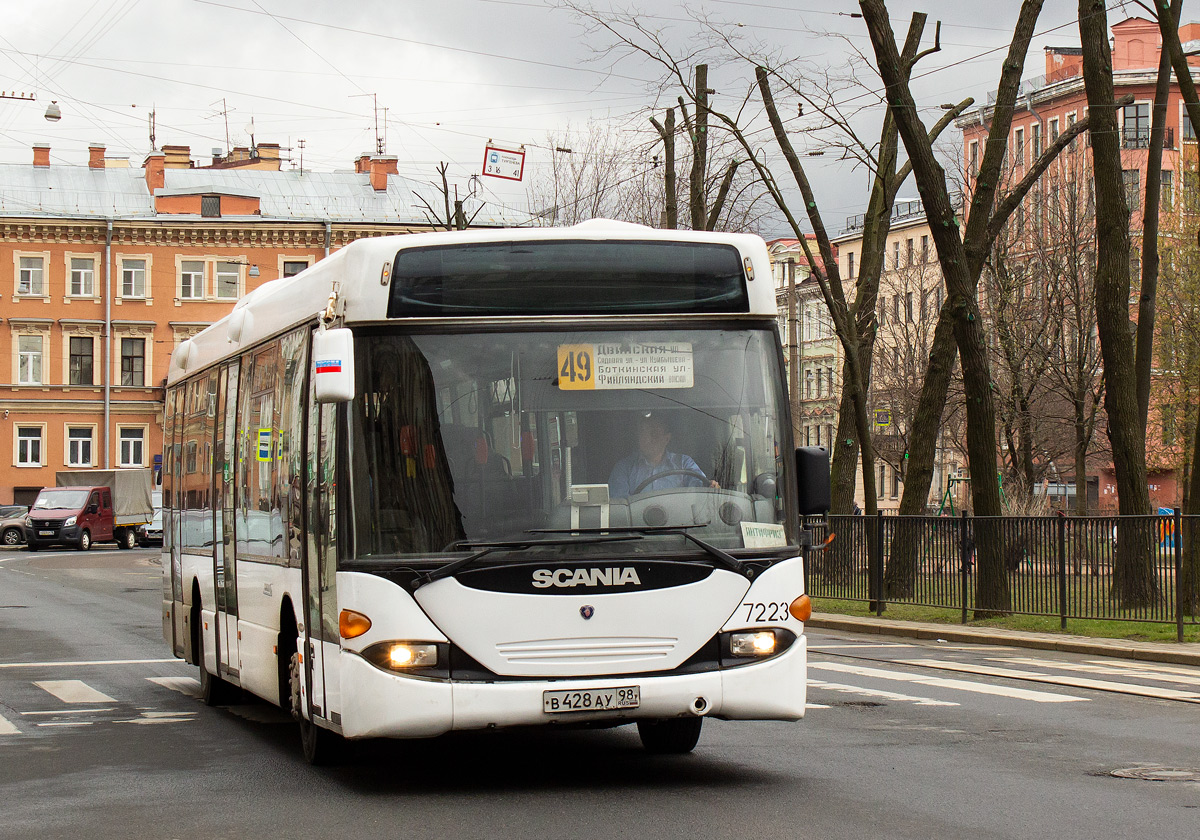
(632, 470)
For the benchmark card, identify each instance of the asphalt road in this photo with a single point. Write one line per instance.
(101, 735)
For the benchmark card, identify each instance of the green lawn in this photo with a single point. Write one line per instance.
(1133, 630)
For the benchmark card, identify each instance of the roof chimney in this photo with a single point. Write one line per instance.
(96, 156)
(382, 166)
(362, 163)
(41, 154)
(177, 157)
(156, 177)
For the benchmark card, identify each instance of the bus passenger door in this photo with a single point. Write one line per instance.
(322, 641)
(224, 477)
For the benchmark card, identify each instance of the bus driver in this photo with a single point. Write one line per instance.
(651, 459)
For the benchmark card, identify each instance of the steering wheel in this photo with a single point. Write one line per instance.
(703, 478)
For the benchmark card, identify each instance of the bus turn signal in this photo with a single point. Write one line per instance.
(352, 624)
(801, 608)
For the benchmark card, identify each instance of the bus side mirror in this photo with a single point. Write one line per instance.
(812, 480)
(333, 365)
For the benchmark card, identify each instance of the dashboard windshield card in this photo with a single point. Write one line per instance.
(614, 366)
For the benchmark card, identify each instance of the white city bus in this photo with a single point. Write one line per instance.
(398, 489)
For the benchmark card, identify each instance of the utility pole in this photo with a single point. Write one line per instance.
(794, 355)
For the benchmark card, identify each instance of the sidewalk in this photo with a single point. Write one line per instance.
(1177, 654)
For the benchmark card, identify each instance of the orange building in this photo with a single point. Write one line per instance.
(112, 266)
(1046, 106)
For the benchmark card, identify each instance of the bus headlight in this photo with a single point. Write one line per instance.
(761, 643)
(402, 656)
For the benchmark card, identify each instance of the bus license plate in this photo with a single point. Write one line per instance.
(592, 699)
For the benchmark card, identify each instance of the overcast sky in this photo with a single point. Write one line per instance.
(451, 74)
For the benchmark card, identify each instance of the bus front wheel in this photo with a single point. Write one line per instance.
(672, 736)
(321, 747)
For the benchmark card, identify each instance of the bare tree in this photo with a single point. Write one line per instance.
(446, 218)
(1134, 582)
(962, 257)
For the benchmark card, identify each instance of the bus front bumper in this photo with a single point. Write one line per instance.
(379, 704)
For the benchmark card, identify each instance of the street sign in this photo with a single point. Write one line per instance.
(883, 418)
(504, 163)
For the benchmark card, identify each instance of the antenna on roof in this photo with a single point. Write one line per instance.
(151, 118)
(380, 139)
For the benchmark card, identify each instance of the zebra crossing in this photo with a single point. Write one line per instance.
(995, 671)
(55, 696)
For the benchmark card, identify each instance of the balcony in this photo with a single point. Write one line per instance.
(1139, 138)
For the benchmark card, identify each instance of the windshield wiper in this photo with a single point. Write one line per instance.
(485, 548)
(723, 558)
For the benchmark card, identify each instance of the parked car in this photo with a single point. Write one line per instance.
(152, 532)
(12, 524)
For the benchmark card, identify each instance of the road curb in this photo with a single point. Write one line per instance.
(1174, 654)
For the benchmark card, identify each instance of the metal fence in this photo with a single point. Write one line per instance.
(1055, 565)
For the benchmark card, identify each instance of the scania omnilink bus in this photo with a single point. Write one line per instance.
(389, 495)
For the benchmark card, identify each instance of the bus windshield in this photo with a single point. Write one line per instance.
(461, 439)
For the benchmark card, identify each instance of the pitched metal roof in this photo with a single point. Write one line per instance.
(76, 191)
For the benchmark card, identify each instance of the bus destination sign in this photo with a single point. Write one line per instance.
(624, 366)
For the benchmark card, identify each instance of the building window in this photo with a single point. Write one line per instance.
(133, 446)
(908, 307)
(911, 252)
(1186, 129)
(974, 159)
(1132, 179)
(1035, 139)
(79, 370)
(879, 489)
(133, 362)
(133, 278)
(191, 279)
(29, 446)
(808, 383)
(850, 266)
(29, 360)
(1167, 185)
(924, 248)
(229, 276)
(896, 254)
(829, 375)
(896, 308)
(1135, 126)
(79, 446)
(1054, 130)
(210, 205)
(293, 267)
(83, 277)
(1019, 146)
(895, 484)
(31, 279)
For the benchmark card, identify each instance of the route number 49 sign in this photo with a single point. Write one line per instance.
(504, 163)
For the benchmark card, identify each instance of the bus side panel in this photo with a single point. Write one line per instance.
(261, 588)
(776, 689)
(393, 612)
(199, 568)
